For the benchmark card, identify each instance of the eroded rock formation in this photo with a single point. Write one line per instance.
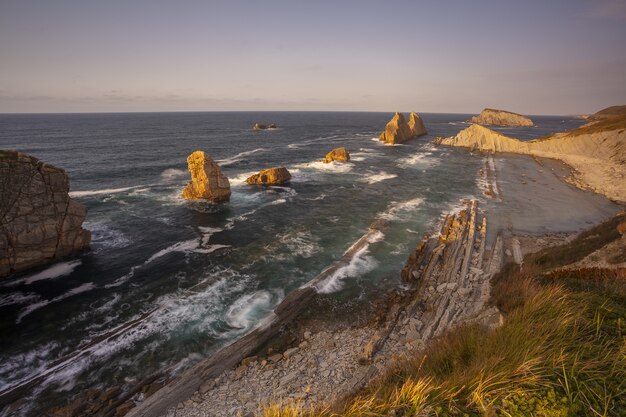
(398, 130)
(39, 222)
(501, 118)
(337, 154)
(207, 180)
(271, 176)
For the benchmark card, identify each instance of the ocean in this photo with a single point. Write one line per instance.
(168, 281)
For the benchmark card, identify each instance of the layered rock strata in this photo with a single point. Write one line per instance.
(398, 130)
(598, 155)
(39, 222)
(207, 180)
(271, 176)
(501, 118)
(337, 154)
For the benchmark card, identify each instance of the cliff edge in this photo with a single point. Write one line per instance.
(596, 151)
(39, 222)
(501, 118)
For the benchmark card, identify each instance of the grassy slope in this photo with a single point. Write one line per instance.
(561, 351)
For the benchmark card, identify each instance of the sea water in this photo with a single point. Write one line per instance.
(168, 281)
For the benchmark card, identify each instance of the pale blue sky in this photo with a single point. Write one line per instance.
(532, 57)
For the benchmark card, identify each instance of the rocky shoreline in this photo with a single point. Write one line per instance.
(446, 283)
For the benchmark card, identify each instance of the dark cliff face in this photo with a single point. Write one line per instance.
(39, 222)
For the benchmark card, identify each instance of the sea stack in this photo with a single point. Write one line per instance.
(207, 180)
(398, 130)
(39, 220)
(271, 176)
(337, 154)
(501, 118)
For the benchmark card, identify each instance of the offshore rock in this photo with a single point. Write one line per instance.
(259, 126)
(207, 180)
(416, 124)
(271, 176)
(337, 154)
(39, 222)
(501, 118)
(398, 130)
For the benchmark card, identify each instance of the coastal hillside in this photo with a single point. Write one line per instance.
(596, 151)
(501, 118)
(609, 112)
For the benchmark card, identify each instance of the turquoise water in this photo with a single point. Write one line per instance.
(167, 281)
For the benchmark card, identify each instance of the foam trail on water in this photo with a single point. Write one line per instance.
(172, 173)
(400, 211)
(334, 166)
(88, 193)
(18, 298)
(360, 263)
(245, 311)
(36, 306)
(57, 270)
(239, 157)
(381, 176)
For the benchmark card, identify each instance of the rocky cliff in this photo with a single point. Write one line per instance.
(398, 130)
(207, 180)
(597, 154)
(501, 118)
(337, 154)
(271, 176)
(39, 222)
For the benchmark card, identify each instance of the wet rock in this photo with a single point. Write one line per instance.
(124, 408)
(337, 154)
(271, 176)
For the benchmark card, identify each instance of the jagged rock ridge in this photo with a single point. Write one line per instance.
(39, 222)
(398, 130)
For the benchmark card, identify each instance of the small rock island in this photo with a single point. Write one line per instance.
(39, 220)
(337, 154)
(271, 176)
(398, 130)
(501, 118)
(207, 180)
(259, 126)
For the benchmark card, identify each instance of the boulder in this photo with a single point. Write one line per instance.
(207, 180)
(416, 124)
(398, 130)
(259, 126)
(501, 118)
(271, 176)
(337, 154)
(38, 219)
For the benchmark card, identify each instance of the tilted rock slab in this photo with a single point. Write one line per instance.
(207, 180)
(39, 222)
(337, 154)
(501, 118)
(271, 176)
(398, 130)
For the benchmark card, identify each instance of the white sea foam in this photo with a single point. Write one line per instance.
(334, 166)
(246, 310)
(241, 178)
(172, 173)
(239, 157)
(401, 211)
(187, 246)
(292, 244)
(419, 159)
(36, 306)
(104, 236)
(104, 191)
(57, 270)
(18, 298)
(359, 264)
(381, 176)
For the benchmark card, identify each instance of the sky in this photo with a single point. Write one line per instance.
(531, 57)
